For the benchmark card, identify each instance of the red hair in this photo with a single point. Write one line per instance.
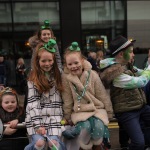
(37, 75)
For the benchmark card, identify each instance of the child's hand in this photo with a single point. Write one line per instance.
(41, 130)
(9, 131)
(13, 123)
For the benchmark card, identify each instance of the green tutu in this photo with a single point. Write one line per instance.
(95, 127)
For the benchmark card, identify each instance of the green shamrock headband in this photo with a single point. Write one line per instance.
(46, 25)
(74, 46)
(50, 46)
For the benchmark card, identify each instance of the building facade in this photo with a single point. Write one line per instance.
(92, 23)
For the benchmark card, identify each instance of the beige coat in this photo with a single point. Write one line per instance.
(96, 102)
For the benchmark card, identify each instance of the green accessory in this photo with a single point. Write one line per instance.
(50, 46)
(54, 148)
(46, 25)
(74, 46)
(79, 96)
(106, 132)
(93, 126)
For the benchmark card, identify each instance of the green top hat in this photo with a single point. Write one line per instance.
(46, 25)
(74, 46)
(50, 46)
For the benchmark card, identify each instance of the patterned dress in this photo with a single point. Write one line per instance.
(43, 110)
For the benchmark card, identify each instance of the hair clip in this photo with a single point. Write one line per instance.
(7, 90)
(46, 25)
(74, 46)
(50, 46)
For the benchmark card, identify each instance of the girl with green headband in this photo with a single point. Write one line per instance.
(44, 106)
(86, 103)
(44, 34)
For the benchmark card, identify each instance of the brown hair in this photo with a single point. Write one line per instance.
(100, 54)
(37, 75)
(40, 31)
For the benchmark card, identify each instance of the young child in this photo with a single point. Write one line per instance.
(44, 107)
(126, 83)
(12, 114)
(44, 34)
(86, 102)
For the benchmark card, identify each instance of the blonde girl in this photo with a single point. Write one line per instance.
(86, 103)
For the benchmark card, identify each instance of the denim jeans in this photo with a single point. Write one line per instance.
(36, 137)
(131, 122)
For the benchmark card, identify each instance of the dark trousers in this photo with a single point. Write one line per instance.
(131, 122)
(2, 80)
(123, 137)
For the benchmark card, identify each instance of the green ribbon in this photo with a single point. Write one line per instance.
(50, 46)
(74, 46)
(46, 25)
(79, 96)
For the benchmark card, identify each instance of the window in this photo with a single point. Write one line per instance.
(101, 21)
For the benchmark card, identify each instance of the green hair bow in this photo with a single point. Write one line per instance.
(74, 46)
(46, 25)
(50, 46)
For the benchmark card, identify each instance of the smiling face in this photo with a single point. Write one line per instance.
(74, 63)
(9, 103)
(46, 35)
(46, 61)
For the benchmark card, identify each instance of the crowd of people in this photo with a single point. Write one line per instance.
(83, 93)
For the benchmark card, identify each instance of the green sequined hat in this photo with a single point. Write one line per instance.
(74, 46)
(50, 46)
(46, 25)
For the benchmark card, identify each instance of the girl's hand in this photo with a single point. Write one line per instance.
(41, 130)
(13, 123)
(9, 131)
